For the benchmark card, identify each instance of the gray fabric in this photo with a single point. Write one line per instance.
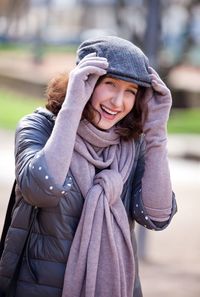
(60, 211)
(155, 194)
(126, 61)
(102, 246)
(81, 83)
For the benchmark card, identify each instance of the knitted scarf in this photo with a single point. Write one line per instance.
(101, 262)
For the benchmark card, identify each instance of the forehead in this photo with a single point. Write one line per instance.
(121, 81)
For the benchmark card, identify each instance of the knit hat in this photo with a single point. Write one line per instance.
(126, 61)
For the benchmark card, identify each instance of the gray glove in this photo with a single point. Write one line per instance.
(156, 183)
(82, 80)
(59, 147)
(158, 103)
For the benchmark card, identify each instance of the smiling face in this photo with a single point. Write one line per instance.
(112, 100)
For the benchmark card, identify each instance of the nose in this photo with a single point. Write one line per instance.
(117, 99)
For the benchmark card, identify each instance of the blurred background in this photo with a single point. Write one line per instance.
(39, 38)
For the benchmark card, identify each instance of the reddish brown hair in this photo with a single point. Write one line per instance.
(130, 127)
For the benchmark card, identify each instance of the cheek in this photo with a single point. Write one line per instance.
(100, 95)
(94, 99)
(129, 103)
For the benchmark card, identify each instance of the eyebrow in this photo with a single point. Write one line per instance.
(131, 85)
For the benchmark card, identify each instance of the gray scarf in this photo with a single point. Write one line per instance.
(101, 261)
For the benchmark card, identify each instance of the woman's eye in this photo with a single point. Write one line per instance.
(109, 83)
(133, 92)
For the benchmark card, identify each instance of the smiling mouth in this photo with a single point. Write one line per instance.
(109, 111)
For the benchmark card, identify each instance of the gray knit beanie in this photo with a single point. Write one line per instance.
(126, 61)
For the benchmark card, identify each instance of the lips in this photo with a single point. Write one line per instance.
(109, 111)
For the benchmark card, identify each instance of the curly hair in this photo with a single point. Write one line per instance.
(130, 127)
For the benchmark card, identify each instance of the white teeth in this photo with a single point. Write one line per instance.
(109, 111)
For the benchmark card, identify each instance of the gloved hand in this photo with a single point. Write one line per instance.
(156, 183)
(158, 102)
(82, 80)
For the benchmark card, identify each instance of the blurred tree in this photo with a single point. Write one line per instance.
(38, 42)
(153, 31)
(151, 46)
(118, 7)
(12, 11)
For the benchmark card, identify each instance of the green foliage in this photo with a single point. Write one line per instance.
(21, 48)
(184, 121)
(14, 106)
(13, 47)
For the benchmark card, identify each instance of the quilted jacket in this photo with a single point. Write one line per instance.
(59, 210)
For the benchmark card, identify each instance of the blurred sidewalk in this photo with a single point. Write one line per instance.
(185, 146)
(173, 255)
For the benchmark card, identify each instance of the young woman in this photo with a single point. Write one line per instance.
(93, 162)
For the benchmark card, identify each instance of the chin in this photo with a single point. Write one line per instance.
(103, 126)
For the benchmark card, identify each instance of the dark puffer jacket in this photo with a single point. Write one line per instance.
(59, 211)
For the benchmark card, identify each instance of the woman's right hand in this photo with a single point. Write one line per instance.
(83, 78)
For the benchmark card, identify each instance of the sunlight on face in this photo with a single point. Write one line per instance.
(112, 100)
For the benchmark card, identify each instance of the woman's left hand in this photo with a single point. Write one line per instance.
(159, 86)
(158, 100)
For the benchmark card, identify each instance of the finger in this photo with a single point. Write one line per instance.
(156, 78)
(92, 59)
(96, 63)
(153, 71)
(160, 88)
(89, 70)
(87, 57)
(92, 79)
(90, 55)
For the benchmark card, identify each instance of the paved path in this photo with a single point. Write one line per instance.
(7, 169)
(172, 268)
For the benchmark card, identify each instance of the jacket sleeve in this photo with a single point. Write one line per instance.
(37, 186)
(138, 211)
